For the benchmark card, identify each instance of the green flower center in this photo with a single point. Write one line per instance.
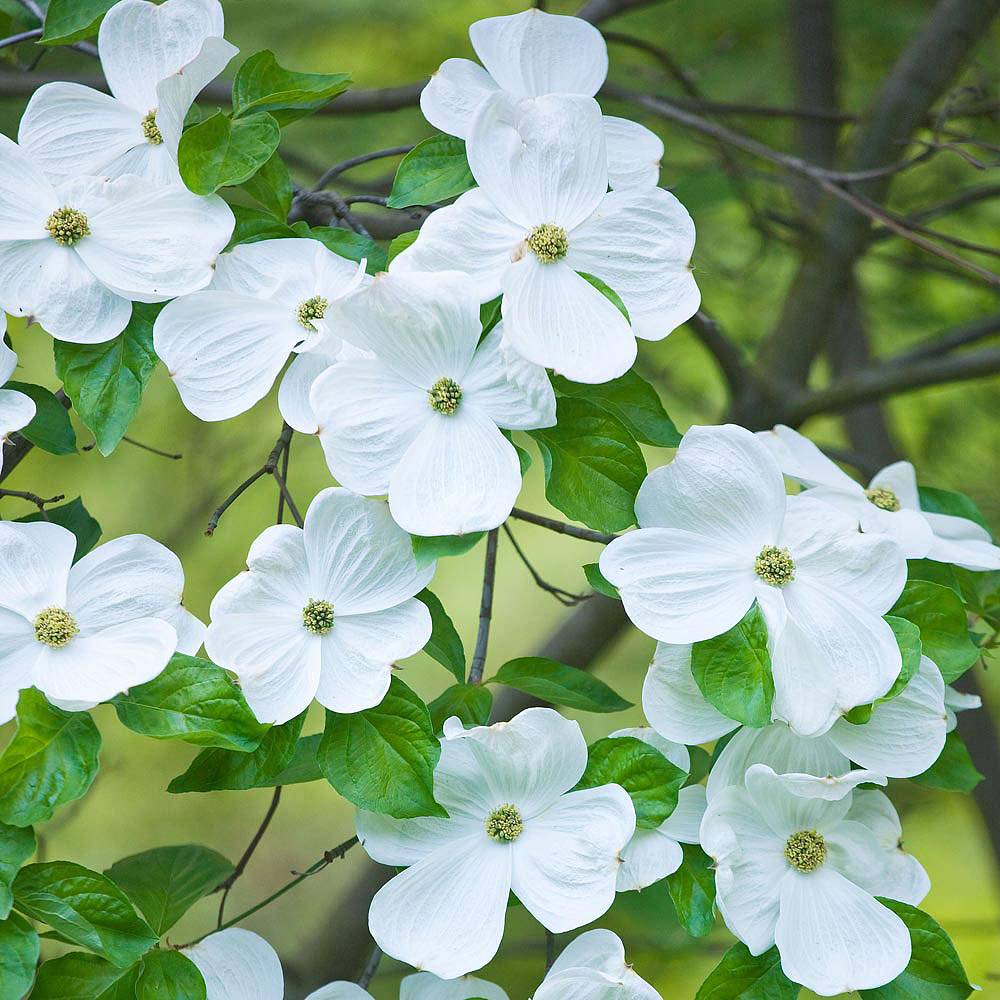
(504, 824)
(67, 226)
(548, 242)
(310, 310)
(805, 850)
(151, 130)
(55, 627)
(883, 498)
(317, 617)
(444, 396)
(774, 566)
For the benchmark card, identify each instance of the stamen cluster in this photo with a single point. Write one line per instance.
(151, 130)
(444, 396)
(310, 310)
(548, 242)
(883, 498)
(317, 617)
(805, 850)
(67, 226)
(55, 627)
(504, 824)
(774, 566)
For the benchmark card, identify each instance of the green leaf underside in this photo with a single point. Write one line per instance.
(599, 582)
(427, 548)
(262, 84)
(272, 187)
(742, 976)
(908, 639)
(70, 20)
(223, 151)
(692, 889)
(79, 976)
(954, 770)
(169, 975)
(17, 844)
(19, 947)
(472, 703)
(74, 517)
(50, 428)
(559, 684)
(445, 644)
(434, 170)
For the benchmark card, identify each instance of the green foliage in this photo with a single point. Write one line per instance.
(908, 639)
(70, 20)
(609, 293)
(19, 947)
(50, 428)
(954, 770)
(17, 844)
(79, 976)
(382, 759)
(472, 703)
(559, 684)
(944, 634)
(348, 244)
(742, 976)
(303, 765)
(400, 243)
(593, 466)
(733, 670)
(223, 151)
(272, 187)
(692, 889)
(951, 502)
(427, 548)
(445, 644)
(261, 85)
(169, 975)
(52, 760)
(74, 517)
(434, 170)
(166, 882)
(599, 582)
(651, 780)
(191, 700)
(106, 381)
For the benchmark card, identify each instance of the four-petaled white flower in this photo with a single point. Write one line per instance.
(799, 868)
(322, 611)
(420, 420)
(717, 532)
(541, 218)
(238, 965)
(514, 825)
(73, 254)
(224, 346)
(83, 633)
(890, 505)
(593, 967)
(532, 54)
(16, 409)
(156, 60)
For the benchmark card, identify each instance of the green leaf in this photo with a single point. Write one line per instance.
(382, 759)
(272, 187)
(50, 428)
(106, 381)
(427, 548)
(593, 466)
(52, 760)
(85, 907)
(19, 947)
(192, 700)
(400, 243)
(434, 170)
(523, 458)
(701, 764)
(733, 670)
(78, 976)
(222, 151)
(472, 703)
(559, 684)
(169, 975)
(742, 976)
(70, 20)
(17, 844)
(633, 401)
(262, 85)
(350, 245)
(937, 572)
(650, 779)
(445, 644)
(74, 517)
(599, 582)
(303, 765)
(490, 313)
(934, 972)
(609, 293)
(954, 770)
(692, 889)
(944, 632)
(908, 639)
(254, 225)
(951, 502)
(166, 882)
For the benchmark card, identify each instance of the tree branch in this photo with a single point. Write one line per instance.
(485, 610)
(562, 527)
(726, 353)
(943, 343)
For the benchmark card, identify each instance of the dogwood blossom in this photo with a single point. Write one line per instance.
(890, 504)
(83, 633)
(420, 420)
(73, 254)
(541, 218)
(799, 868)
(16, 409)
(238, 965)
(322, 612)
(717, 533)
(422, 986)
(593, 967)
(513, 825)
(156, 60)
(224, 346)
(532, 54)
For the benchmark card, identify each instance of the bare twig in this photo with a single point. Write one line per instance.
(174, 456)
(371, 967)
(943, 343)
(726, 353)
(24, 36)
(562, 527)
(564, 597)
(355, 161)
(485, 610)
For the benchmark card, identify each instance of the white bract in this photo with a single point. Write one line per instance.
(224, 346)
(83, 633)
(652, 855)
(73, 254)
(16, 409)
(322, 612)
(593, 967)
(156, 60)
(716, 533)
(420, 419)
(799, 868)
(514, 825)
(422, 986)
(532, 54)
(541, 218)
(890, 505)
(238, 965)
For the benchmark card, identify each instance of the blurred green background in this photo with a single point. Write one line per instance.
(737, 52)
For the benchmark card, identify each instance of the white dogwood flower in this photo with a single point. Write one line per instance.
(593, 967)
(541, 218)
(652, 855)
(798, 868)
(16, 409)
(238, 965)
(716, 533)
(513, 825)
(889, 505)
(322, 612)
(421, 986)
(73, 255)
(83, 633)
(156, 60)
(224, 346)
(532, 54)
(420, 420)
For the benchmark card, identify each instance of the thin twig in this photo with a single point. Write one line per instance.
(34, 498)
(155, 451)
(564, 597)
(485, 610)
(284, 479)
(371, 967)
(355, 161)
(944, 343)
(283, 489)
(550, 949)
(562, 527)
(24, 36)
